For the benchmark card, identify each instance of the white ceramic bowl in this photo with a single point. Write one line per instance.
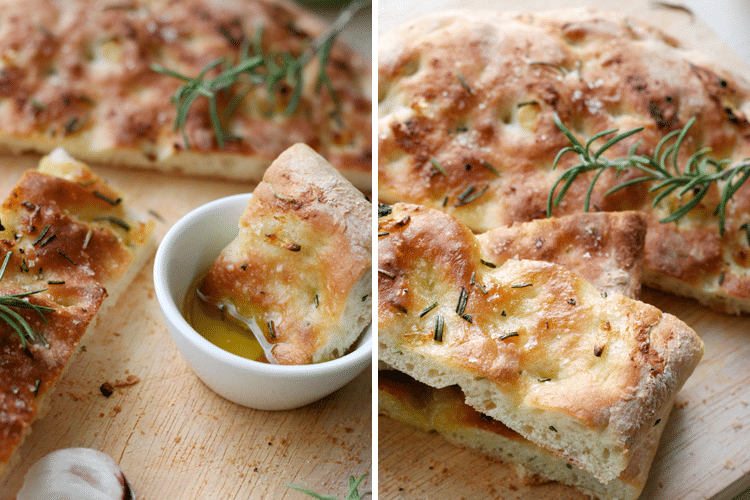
(189, 248)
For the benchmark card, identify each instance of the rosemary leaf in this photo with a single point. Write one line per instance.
(697, 176)
(428, 309)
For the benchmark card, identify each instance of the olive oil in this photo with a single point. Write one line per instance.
(219, 328)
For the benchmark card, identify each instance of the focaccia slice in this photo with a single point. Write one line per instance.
(475, 134)
(301, 264)
(579, 372)
(606, 248)
(81, 75)
(73, 242)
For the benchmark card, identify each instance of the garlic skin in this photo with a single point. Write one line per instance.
(76, 474)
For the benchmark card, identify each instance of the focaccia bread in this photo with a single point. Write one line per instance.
(74, 247)
(605, 248)
(444, 411)
(301, 264)
(467, 102)
(579, 372)
(80, 75)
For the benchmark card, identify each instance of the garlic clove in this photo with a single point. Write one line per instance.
(76, 474)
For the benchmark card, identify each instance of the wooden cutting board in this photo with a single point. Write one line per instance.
(174, 437)
(705, 450)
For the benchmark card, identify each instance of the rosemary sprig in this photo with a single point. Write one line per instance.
(16, 301)
(662, 169)
(353, 493)
(257, 69)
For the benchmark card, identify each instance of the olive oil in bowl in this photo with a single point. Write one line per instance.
(218, 327)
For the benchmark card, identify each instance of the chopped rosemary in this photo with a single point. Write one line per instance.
(463, 299)
(466, 193)
(437, 166)
(271, 330)
(387, 274)
(489, 167)
(658, 420)
(503, 313)
(48, 240)
(114, 202)
(508, 335)
(481, 288)
(721, 278)
(463, 82)
(16, 301)
(428, 309)
(55, 282)
(544, 379)
(114, 220)
(259, 68)
(552, 428)
(521, 285)
(473, 278)
(572, 302)
(66, 257)
(487, 263)
(316, 301)
(384, 233)
(439, 326)
(41, 236)
(694, 178)
(474, 196)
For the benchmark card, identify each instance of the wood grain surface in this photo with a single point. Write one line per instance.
(705, 450)
(174, 437)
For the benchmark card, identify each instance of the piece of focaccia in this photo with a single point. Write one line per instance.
(582, 373)
(80, 75)
(74, 247)
(606, 248)
(301, 264)
(467, 102)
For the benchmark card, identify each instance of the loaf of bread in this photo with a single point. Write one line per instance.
(301, 265)
(74, 245)
(582, 373)
(467, 102)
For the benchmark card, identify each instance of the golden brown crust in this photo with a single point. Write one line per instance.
(302, 259)
(57, 247)
(78, 75)
(477, 92)
(541, 349)
(605, 248)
